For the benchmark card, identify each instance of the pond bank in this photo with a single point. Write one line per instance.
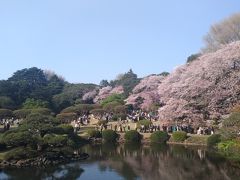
(43, 160)
(192, 140)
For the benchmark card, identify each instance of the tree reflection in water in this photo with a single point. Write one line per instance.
(63, 172)
(162, 162)
(133, 161)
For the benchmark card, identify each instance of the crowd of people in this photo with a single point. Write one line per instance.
(81, 121)
(131, 123)
(8, 123)
(136, 115)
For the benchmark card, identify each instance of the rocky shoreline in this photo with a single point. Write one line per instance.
(43, 161)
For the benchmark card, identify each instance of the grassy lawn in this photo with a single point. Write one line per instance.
(83, 131)
(2, 154)
(197, 139)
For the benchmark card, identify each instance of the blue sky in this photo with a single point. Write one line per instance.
(91, 40)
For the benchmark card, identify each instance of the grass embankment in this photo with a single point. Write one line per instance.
(2, 155)
(192, 139)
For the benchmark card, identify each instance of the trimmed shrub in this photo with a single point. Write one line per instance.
(231, 127)
(121, 109)
(66, 117)
(21, 113)
(55, 140)
(14, 139)
(179, 136)
(20, 153)
(63, 129)
(132, 136)
(116, 99)
(159, 137)
(230, 149)
(94, 133)
(146, 123)
(43, 111)
(77, 140)
(98, 112)
(109, 107)
(109, 135)
(213, 140)
(5, 113)
(79, 109)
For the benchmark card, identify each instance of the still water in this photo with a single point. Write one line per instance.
(156, 162)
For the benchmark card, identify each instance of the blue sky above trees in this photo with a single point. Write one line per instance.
(91, 40)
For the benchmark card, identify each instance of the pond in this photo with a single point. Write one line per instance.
(136, 162)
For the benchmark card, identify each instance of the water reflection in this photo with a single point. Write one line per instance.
(162, 162)
(133, 161)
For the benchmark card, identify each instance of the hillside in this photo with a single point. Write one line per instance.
(204, 89)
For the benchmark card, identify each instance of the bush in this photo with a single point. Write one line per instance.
(121, 109)
(76, 140)
(63, 129)
(110, 106)
(94, 133)
(159, 137)
(132, 136)
(20, 153)
(21, 113)
(179, 136)
(15, 139)
(213, 140)
(43, 111)
(55, 140)
(79, 109)
(117, 99)
(230, 149)
(66, 117)
(5, 113)
(231, 127)
(98, 112)
(146, 123)
(109, 136)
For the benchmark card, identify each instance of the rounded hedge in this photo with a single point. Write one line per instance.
(20, 153)
(63, 129)
(179, 136)
(55, 140)
(21, 113)
(94, 133)
(109, 135)
(66, 117)
(145, 123)
(6, 113)
(18, 138)
(213, 140)
(43, 111)
(159, 137)
(132, 136)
